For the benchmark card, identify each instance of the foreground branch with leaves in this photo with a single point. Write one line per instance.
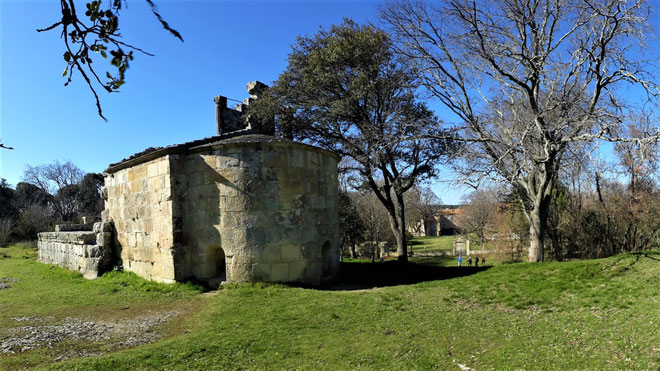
(98, 32)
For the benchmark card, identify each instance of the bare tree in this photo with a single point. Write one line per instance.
(374, 219)
(413, 215)
(6, 227)
(429, 203)
(528, 79)
(423, 205)
(632, 212)
(478, 214)
(60, 180)
(640, 161)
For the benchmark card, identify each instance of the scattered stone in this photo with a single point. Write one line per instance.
(5, 282)
(26, 338)
(127, 333)
(32, 319)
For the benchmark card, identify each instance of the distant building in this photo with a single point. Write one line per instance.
(441, 223)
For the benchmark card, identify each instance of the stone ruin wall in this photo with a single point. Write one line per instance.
(139, 203)
(268, 208)
(88, 252)
(240, 211)
(252, 209)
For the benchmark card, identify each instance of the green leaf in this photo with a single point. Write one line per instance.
(65, 71)
(103, 54)
(67, 56)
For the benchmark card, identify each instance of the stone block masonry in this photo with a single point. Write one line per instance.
(238, 207)
(139, 203)
(251, 208)
(88, 252)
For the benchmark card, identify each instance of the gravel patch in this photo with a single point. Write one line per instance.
(124, 334)
(32, 319)
(5, 282)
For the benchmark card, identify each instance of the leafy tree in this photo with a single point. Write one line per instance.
(528, 79)
(7, 201)
(351, 229)
(33, 220)
(29, 194)
(66, 202)
(97, 32)
(89, 198)
(345, 90)
(8, 211)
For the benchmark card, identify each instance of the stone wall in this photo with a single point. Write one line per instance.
(240, 210)
(139, 203)
(257, 211)
(88, 252)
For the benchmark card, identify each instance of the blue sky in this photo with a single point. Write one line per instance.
(168, 98)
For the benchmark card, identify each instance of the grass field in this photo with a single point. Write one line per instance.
(597, 314)
(431, 243)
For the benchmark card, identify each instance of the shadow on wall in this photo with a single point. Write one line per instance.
(200, 251)
(359, 276)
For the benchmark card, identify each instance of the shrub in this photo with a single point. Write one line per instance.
(33, 220)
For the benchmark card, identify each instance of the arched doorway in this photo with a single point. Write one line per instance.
(215, 271)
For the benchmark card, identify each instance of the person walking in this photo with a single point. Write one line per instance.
(460, 260)
(476, 262)
(469, 261)
(483, 261)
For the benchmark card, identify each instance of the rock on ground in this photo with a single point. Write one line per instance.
(124, 334)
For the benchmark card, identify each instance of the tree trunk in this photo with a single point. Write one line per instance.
(353, 251)
(402, 246)
(538, 218)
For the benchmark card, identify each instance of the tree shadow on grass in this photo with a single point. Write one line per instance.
(360, 276)
(653, 255)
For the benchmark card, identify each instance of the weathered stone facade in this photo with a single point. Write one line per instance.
(251, 208)
(237, 207)
(88, 252)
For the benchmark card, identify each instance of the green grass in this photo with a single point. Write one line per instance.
(432, 243)
(597, 314)
(54, 293)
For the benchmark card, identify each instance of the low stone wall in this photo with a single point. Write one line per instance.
(88, 252)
